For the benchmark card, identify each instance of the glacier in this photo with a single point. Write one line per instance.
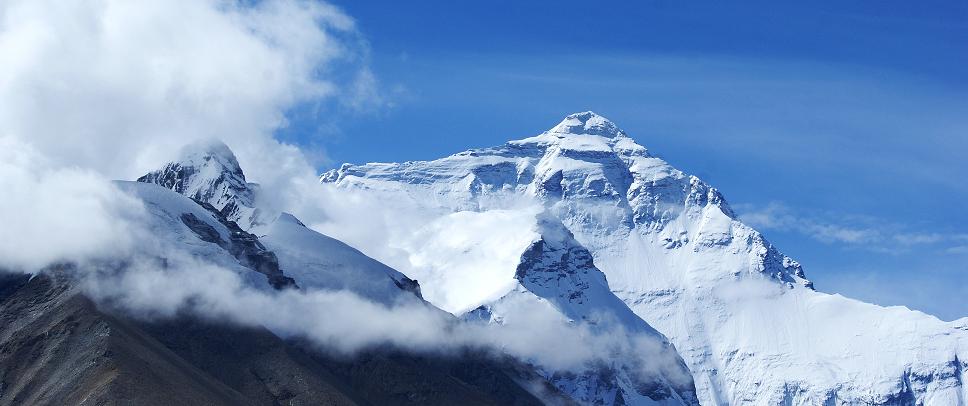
(748, 323)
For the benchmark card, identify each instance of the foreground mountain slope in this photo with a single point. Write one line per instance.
(321, 262)
(59, 347)
(748, 323)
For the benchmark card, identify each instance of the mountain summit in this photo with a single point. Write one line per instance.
(748, 323)
(587, 123)
(209, 172)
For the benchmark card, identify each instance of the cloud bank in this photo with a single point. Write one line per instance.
(346, 323)
(117, 86)
(99, 90)
(52, 214)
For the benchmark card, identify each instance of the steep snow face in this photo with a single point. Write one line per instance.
(748, 323)
(209, 172)
(320, 262)
(557, 268)
(193, 230)
(557, 277)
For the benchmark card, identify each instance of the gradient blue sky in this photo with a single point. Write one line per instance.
(840, 129)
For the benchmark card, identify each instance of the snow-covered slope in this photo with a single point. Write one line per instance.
(190, 229)
(749, 325)
(317, 261)
(208, 173)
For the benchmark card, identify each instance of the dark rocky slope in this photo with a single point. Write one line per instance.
(58, 347)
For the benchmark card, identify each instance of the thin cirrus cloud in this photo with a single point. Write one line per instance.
(857, 231)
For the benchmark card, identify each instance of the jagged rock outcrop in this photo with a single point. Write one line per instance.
(209, 172)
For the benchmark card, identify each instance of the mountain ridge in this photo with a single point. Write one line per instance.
(316, 261)
(676, 254)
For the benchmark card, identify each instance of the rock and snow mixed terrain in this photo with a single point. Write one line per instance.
(673, 299)
(556, 275)
(748, 323)
(208, 173)
(127, 329)
(551, 276)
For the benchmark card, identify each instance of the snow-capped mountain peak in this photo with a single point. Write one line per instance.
(211, 153)
(209, 172)
(587, 123)
(741, 313)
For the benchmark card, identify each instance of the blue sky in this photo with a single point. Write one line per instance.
(840, 129)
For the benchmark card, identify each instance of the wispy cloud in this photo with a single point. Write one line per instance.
(854, 231)
(960, 249)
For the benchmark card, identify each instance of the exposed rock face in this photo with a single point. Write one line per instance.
(242, 245)
(557, 272)
(57, 347)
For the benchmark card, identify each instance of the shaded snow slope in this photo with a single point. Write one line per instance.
(190, 229)
(743, 315)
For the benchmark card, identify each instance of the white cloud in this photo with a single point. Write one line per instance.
(119, 86)
(115, 88)
(462, 258)
(58, 214)
(959, 249)
(344, 322)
